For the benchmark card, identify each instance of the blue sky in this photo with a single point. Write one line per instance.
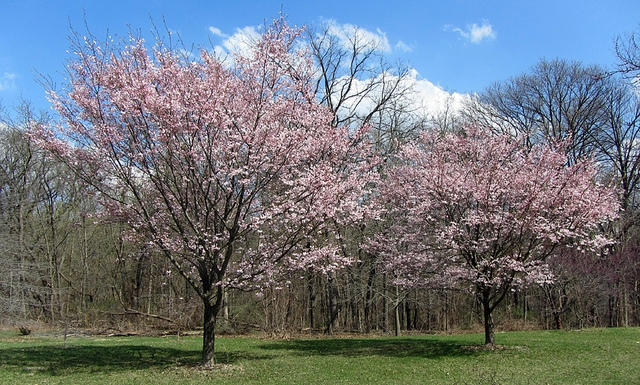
(459, 45)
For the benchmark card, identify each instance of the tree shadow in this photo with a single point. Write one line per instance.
(56, 360)
(356, 347)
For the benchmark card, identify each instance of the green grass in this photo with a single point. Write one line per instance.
(595, 356)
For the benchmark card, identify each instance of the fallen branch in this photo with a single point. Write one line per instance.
(136, 312)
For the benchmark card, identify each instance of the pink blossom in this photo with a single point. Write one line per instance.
(485, 212)
(234, 172)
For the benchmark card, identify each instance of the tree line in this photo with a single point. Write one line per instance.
(299, 189)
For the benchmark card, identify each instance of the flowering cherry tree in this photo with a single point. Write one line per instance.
(483, 210)
(230, 168)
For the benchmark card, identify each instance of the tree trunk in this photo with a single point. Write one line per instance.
(612, 311)
(385, 304)
(354, 305)
(396, 313)
(524, 306)
(446, 311)
(368, 323)
(312, 301)
(209, 334)
(489, 336)
(333, 303)
(397, 320)
(225, 306)
(557, 320)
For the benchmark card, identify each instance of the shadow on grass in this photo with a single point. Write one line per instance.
(109, 358)
(56, 360)
(356, 347)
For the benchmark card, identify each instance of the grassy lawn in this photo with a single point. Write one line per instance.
(595, 356)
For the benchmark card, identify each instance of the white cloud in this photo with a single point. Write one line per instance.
(7, 81)
(429, 98)
(402, 46)
(347, 33)
(478, 33)
(432, 99)
(240, 42)
(218, 32)
(243, 40)
(474, 33)
(426, 98)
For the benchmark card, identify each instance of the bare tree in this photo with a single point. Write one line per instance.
(24, 282)
(556, 100)
(360, 86)
(617, 141)
(628, 52)
(449, 118)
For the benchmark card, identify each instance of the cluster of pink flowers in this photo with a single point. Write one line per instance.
(232, 169)
(487, 210)
(236, 173)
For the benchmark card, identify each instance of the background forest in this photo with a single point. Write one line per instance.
(65, 264)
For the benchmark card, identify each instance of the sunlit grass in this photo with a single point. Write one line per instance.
(595, 356)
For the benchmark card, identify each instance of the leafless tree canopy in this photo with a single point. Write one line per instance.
(556, 100)
(628, 52)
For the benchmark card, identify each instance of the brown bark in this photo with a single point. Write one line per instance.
(209, 334)
(489, 335)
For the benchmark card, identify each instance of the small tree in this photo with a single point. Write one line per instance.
(231, 169)
(486, 211)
